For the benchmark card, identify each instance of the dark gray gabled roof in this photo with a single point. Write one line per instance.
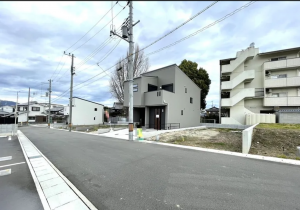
(88, 101)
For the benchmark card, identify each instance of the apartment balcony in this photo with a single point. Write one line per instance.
(241, 57)
(243, 94)
(282, 101)
(157, 98)
(282, 64)
(283, 82)
(245, 76)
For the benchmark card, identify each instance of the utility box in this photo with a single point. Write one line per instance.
(124, 32)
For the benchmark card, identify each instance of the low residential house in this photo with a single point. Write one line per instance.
(36, 112)
(213, 111)
(84, 112)
(7, 118)
(164, 98)
(7, 109)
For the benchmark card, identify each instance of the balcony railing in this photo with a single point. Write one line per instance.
(288, 63)
(282, 101)
(283, 82)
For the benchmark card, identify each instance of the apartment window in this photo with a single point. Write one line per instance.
(278, 76)
(35, 108)
(95, 109)
(185, 90)
(135, 88)
(191, 100)
(181, 112)
(279, 95)
(279, 58)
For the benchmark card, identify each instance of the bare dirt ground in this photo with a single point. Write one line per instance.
(222, 139)
(275, 142)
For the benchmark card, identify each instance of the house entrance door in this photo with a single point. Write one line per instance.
(157, 112)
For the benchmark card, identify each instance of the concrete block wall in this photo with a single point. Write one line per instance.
(7, 129)
(247, 139)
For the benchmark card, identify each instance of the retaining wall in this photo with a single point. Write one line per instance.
(247, 138)
(211, 125)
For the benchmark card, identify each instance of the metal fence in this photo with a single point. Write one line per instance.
(230, 126)
(8, 129)
(208, 121)
(167, 126)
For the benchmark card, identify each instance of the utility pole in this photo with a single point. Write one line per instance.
(28, 107)
(16, 112)
(49, 112)
(71, 91)
(130, 73)
(127, 32)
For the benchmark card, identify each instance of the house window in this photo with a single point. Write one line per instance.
(95, 109)
(185, 90)
(94, 118)
(25, 108)
(151, 87)
(279, 58)
(168, 87)
(31, 118)
(191, 100)
(181, 112)
(18, 108)
(135, 88)
(35, 108)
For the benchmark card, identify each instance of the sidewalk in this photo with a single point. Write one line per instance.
(17, 188)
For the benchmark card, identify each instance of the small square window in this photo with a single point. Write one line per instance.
(191, 100)
(181, 112)
(135, 87)
(94, 118)
(95, 109)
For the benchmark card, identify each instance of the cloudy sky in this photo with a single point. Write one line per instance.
(34, 35)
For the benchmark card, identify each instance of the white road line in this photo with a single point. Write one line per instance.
(5, 158)
(5, 172)
(76, 191)
(12, 164)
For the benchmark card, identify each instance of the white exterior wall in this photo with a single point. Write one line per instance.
(83, 112)
(6, 109)
(254, 105)
(23, 116)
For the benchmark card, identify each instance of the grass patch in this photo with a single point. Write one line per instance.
(282, 156)
(279, 126)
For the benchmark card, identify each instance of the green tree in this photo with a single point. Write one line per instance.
(199, 76)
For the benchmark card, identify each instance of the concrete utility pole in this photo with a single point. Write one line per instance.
(127, 32)
(28, 107)
(71, 91)
(130, 73)
(16, 112)
(49, 112)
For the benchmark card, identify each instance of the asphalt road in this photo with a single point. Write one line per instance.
(17, 190)
(118, 174)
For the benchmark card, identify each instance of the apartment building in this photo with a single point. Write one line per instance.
(164, 98)
(260, 83)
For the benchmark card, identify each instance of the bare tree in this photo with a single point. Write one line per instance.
(140, 65)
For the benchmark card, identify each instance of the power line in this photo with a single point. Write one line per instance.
(193, 34)
(57, 66)
(99, 30)
(204, 28)
(180, 25)
(59, 72)
(91, 28)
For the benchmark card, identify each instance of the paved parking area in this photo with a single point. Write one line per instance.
(17, 188)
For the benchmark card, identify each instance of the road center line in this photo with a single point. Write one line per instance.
(12, 164)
